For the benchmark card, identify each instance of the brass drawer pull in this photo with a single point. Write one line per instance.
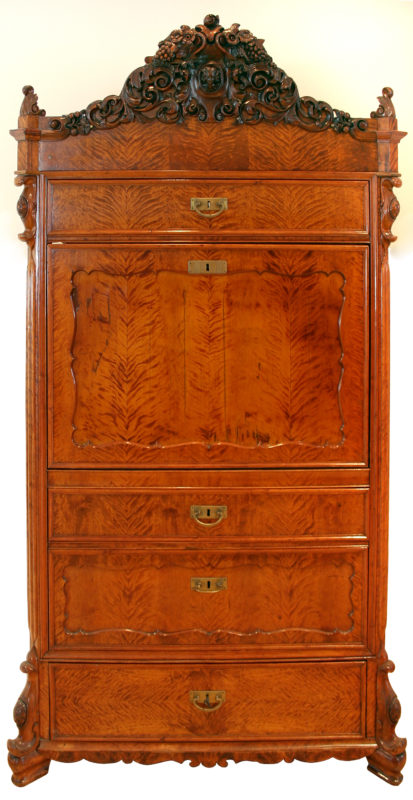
(207, 700)
(209, 206)
(209, 585)
(217, 513)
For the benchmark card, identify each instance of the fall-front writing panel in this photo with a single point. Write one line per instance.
(264, 362)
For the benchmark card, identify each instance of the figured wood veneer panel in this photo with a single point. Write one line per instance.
(146, 205)
(143, 598)
(97, 701)
(226, 146)
(157, 514)
(265, 364)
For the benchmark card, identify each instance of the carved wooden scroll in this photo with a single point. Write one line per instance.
(25, 760)
(210, 73)
(389, 759)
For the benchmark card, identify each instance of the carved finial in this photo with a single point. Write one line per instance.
(386, 107)
(29, 104)
(211, 20)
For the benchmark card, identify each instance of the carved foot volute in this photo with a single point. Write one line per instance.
(26, 763)
(389, 759)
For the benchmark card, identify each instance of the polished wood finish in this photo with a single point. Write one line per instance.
(291, 699)
(110, 207)
(193, 389)
(146, 599)
(255, 513)
(261, 388)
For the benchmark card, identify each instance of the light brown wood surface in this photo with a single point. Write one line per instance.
(263, 389)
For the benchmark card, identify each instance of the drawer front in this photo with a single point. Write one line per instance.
(87, 514)
(146, 206)
(266, 365)
(301, 700)
(144, 599)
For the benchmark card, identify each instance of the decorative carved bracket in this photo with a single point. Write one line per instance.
(389, 210)
(210, 73)
(25, 761)
(390, 757)
(26, 208)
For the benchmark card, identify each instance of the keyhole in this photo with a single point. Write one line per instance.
(208, 584)
(209, 204)
(208, 510)
(207, 267)
(207, 699)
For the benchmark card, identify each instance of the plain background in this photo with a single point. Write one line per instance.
(78, 51)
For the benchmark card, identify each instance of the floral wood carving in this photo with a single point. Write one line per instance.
(210, 73)
(29, 104)
(25, 760)
(390, 757)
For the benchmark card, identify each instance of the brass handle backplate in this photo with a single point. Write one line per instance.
(209, 206)
(207, 700)
(209, 585)
(214, 515)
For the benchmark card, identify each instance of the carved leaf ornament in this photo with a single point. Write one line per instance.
(210, 73)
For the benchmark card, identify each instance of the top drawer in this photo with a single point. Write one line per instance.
(260, 209)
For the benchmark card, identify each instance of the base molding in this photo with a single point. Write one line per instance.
(206, 754)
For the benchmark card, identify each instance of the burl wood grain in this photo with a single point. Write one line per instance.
(264, 365)
(156, 514)
(101, 597)
(108, 207)
(94, 701)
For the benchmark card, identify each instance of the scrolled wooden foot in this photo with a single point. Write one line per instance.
(27, 769)
(389, 759)
(26, 763)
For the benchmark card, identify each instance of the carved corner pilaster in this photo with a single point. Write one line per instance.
(30, 104)
(26, 763)
(389, 210)
(389, 759)
(26, 208)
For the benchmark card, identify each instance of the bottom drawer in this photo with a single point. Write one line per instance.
(182, 701)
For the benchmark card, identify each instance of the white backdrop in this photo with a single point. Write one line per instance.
(74, 53)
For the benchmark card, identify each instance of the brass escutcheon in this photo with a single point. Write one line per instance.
(209, 585)
(209, 206)
(207, 267)
(207, 700)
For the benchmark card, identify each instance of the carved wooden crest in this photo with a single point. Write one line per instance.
(210, 73)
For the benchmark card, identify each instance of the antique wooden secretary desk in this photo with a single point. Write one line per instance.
(207, 404)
